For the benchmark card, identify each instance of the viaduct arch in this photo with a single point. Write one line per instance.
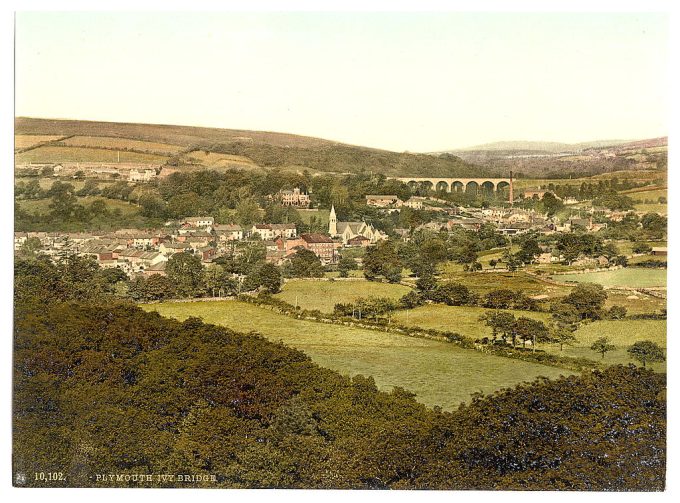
(459, 184)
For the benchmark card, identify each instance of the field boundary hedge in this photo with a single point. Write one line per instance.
(384, 325)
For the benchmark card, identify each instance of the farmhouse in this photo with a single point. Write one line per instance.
(660, 251)
(142, 175)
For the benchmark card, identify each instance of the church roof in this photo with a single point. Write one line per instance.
(354, 227)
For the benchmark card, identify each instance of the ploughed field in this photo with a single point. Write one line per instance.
(621, 333)
(439, 373)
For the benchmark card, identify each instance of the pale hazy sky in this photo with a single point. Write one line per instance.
(401, 81)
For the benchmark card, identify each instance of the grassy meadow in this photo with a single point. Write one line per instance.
(621, 333)
(51, 154)
(42, 206)
(321, 215)
(323, 295)
(122, 143)
(461, 319)
(482, 283)
(28, 140)
(439, 373)
(628, 277)
(214, 160)
(465, 321)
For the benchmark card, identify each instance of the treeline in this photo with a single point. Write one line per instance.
(103, 387)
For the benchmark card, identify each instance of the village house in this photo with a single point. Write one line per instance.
(170, 248)
(137, 260)
(198, 239)
(141, 175)
(415, 203)
(204, 222)
(514, 229)
(572, 224)
(272, 231)
(228, 232)
(143, 240)
(158, 268)
(660, 251)
(358, 242)
(381, 201)
(467, 223)
(322, 246)
(295, 198)
(206, 253)
(19, 240)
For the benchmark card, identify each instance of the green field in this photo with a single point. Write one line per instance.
(661, 209)
(323, 295)
(464, 320)
(461, 319)
(28, 140)
(621, 333)
(122, 143)
(629, 277)
(482, 283)
(78, 154)
(42, 206)
(439, 373)
(321, 215)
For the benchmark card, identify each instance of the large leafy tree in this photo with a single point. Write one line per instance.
(602, 346)
(305, 264)
(186, 272)
(647, 352)
(530, 330)
(382, 260)
(588, 299)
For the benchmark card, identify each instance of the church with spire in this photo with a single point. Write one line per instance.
(347, 231)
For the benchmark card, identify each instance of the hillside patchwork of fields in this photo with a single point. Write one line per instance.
(92, 141)
(439, 373)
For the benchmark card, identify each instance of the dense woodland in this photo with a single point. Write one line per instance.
(102, 387)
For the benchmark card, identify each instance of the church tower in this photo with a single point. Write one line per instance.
(333, 222)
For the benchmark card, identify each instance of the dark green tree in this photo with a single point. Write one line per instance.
(305, 264)
(647, 352)
(602, 346)
(186, 272)
(588, 299)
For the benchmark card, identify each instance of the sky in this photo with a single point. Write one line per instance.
(407, 81)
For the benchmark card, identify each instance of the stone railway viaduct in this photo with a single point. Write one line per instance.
(459, 184)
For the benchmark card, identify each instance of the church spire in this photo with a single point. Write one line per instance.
(333, 222)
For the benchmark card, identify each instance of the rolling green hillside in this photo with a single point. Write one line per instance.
(265, 149)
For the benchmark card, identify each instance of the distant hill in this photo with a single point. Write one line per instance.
(539, 146)
(538, 159)
(251, 148)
